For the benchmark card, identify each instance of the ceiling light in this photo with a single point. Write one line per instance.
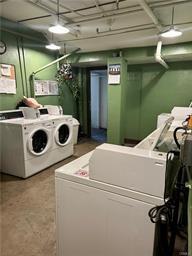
(172, 31)
(53, 46)
(58, 29)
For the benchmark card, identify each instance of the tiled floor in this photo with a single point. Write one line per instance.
(28, 210)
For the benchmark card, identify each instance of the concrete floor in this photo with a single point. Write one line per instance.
(28, 210)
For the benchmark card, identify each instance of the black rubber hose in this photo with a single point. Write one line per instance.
(175, 135)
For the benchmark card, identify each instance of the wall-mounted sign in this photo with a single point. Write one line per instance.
(7, 79)
(45, 87)
(114, 73)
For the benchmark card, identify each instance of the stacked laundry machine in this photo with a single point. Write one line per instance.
(33, 140)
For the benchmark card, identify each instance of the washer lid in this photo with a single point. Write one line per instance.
(76, 171)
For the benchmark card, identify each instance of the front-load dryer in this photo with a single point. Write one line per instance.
(26, 146)
(63, 137)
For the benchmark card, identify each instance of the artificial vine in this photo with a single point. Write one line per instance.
(66, 76)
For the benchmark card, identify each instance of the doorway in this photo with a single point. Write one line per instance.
(98, 104)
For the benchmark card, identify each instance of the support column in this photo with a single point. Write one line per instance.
(116, 104)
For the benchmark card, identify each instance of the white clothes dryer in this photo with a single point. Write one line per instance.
(62, 137)
(31, 145)
(26, 146)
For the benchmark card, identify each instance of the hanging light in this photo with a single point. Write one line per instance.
(172, 31)
(52, 46)
(58, 28)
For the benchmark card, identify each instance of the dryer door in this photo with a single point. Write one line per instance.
(63, 134)
(38, 142)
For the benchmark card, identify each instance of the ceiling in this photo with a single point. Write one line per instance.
(103, 24)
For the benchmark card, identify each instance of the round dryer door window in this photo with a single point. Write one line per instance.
(39, 141)
(63, 134)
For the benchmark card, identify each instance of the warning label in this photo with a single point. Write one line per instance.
(83, 173)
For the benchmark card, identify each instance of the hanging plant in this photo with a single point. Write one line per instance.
(65, 76)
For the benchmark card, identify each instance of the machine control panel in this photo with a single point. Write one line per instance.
(4, 115)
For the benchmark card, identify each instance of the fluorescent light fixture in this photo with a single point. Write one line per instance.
(171, 32)
(58, 29)
(53, 46)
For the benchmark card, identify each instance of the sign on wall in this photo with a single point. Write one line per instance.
(7, 79)
(114, 73)
(45, 87)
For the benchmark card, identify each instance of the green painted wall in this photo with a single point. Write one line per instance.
(11, 57)
(153, 90)
(150, 89)
(35, 57)
(27, 56)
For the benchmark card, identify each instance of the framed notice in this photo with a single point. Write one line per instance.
(114, 73)
(45, 87)
(7, 79)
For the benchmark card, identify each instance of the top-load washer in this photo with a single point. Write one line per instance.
(29, 145)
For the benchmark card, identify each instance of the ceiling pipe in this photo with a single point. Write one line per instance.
(117, 4)
(107, 35)
(48, 9)
(98, 6)
(67, 8)
(122, 12)
(150, 13)
(73, 32)
(158, 56)
(147, 25)
(130, 9)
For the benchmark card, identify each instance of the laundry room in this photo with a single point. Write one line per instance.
(96, 127)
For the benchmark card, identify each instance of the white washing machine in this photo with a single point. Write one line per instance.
(29, 145)
(98, 218)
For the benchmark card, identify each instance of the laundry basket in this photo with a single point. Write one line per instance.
(75, 130)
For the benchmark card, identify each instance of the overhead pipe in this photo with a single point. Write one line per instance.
(32, 76)
(93, 17)
(152, 5)
(126, 28)
(44, 7)
(98, 6)
(150, 13)
(106, 35)
(67, 8)
(158, 56)
(121, 12)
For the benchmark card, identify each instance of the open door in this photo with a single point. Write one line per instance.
(98, 104)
